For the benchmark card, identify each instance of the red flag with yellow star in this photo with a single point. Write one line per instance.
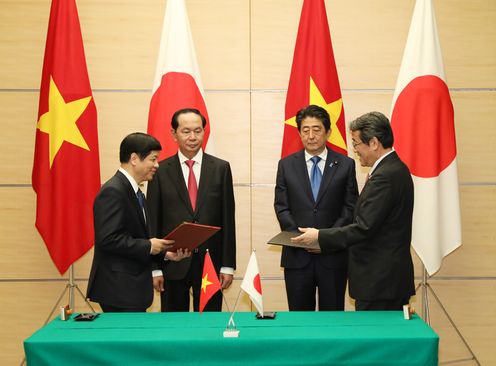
(314, 79)
(66, 171)
(210, 282)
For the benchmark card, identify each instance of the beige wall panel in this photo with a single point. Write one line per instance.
(379, 30)
(122, 38)
(231, 294)
(22, 252)
(466, 30)
(25, 307)
(476, 135)
(274, 295)
(229, 114)
(23, 27)
(121, 41)
(242, 196)
(267, 131)
(471, 306)
(477, 255)
(351, 30)
(265, 226)
(221, 35)
(82, 267)
(271, 52)
(119, 114)
(368, 40)
(19, 113)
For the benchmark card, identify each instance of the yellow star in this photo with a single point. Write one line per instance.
(60, 121)
(334, 109)
(205, 283)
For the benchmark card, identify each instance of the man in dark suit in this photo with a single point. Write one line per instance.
(121, 274)
(380, 262)
(301, 201)
(195, 187)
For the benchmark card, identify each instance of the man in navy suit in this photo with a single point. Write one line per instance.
(121, 273)
(315, 187)
(380, 261)
(172, 201)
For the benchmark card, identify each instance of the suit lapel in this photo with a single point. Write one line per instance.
(177, 178)
(300, 167)
(205, 177)
(133, 199)
(331, 165)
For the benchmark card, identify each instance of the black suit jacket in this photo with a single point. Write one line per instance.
(121, 271)
(380, 262)
(169, 206)
(295, 206)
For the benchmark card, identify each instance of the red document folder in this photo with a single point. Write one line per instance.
(189, 236)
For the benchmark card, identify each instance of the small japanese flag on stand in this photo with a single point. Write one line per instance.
(251, 283)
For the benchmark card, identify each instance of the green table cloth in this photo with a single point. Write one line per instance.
(369, 338)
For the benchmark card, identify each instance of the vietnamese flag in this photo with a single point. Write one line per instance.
(424, 130)
(314, 79)
(177, 82)
(210, 282)
(66, 171)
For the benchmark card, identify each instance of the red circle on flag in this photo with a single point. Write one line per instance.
(257, 284)
(423, 126)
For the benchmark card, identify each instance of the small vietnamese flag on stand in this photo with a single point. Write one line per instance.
(314, 79)
(66, 171)
(424, 137)
(177, 82)
(210, 282)
(251, 283)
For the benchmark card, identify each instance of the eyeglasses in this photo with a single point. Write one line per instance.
(355, 144)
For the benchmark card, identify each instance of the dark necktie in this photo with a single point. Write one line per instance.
(141, 201)
(192, 186)
(315, 176)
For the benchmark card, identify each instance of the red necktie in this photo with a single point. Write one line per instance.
(192, 186)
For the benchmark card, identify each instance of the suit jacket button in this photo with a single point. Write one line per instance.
(314, 210)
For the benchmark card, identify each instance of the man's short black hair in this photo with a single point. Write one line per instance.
(175, 123)
(316, 112)
(374, 124)
(140, 143)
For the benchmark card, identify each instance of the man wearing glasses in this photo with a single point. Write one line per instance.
(378, 240)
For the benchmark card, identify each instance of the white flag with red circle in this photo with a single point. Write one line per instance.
(424, 131)
(251, 283)
(177, 82)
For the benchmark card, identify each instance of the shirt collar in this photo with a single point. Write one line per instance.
(323, 155)
(378, 161)
(130, 179)
(197, 158)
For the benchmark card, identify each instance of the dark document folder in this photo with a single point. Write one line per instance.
(284, 238)
(188, 235)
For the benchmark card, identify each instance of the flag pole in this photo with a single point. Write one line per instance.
(426, 314)
(71, 285)
(231, 331)
(225, 301)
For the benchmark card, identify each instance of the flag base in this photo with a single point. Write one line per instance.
(231, 333)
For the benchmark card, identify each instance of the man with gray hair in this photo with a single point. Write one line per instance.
(380, 265)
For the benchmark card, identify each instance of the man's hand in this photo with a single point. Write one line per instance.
(158, 283)
(159, 245)
(309, 236)
(225, 280)
(179, 255)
